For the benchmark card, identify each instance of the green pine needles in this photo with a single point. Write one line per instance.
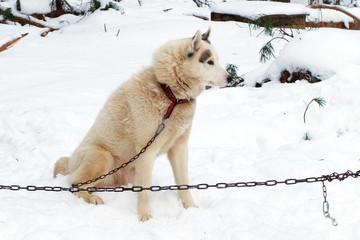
(267, 51)
(319, 100)
(264, 22)
(237, 81)
(7, 14)
(94, 5)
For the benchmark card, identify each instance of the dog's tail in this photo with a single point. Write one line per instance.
(62, 166)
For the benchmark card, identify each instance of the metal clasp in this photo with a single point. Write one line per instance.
(326, 208)
(161, 127)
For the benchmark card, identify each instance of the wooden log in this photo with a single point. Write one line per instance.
(279, 20)
(24, 21)
(38, 16)
(335, 8)
(288, 21)
(352, 25)
(223, 17)
(301, 74)
(11, 43)
(57, 13)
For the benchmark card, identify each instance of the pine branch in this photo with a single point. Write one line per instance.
(237, 80)
(266, 52)
(319, 100)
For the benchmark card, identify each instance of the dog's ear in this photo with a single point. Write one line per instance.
(196, 41)
(206, 35)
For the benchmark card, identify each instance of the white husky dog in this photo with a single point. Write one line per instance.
(133, 112)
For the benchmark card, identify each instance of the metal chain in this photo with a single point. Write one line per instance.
(201, 186)
(160, 128)
(326, 206)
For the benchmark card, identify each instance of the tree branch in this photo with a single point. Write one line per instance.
(11, 43)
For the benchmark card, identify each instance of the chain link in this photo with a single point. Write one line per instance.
(326, 206)
(160, 128)
(201, 186)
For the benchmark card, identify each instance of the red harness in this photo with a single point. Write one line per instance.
(172, 98)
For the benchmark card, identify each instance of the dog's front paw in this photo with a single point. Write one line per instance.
(89, 198)
(96, 200)
(144, 217)
(187, 205)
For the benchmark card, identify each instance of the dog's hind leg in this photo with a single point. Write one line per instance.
(178, 156)
(61, 166)
(90, 163)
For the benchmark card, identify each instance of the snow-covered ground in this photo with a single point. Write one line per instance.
(52, 88)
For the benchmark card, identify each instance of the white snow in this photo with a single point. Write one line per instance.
(328, 15)
(52, 88)
(255, 9)
(9, 39)
(324, 52)
(35, 6)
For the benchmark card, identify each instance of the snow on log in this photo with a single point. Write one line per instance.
(279, 14)
(23, 21)
(285, 15)
(337, 9)
(351, 25)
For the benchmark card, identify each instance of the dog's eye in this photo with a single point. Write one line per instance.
(190, 54)
(210, 62)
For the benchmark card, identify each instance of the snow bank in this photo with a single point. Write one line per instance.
(35, 6)
(324, 52)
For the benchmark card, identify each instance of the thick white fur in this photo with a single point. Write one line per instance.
(131, 116)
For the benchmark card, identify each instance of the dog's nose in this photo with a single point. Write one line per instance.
(229, 78)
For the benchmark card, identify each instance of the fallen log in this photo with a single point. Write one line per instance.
(12, 42)
(301, 74)
(24, 21)
(350, 25)
(291, 77)
(335, 8)
(278, 20)
(354, 25)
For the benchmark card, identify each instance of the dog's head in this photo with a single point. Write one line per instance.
(202, 62)
(188, 65)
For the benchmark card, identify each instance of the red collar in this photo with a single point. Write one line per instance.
(172, 98)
